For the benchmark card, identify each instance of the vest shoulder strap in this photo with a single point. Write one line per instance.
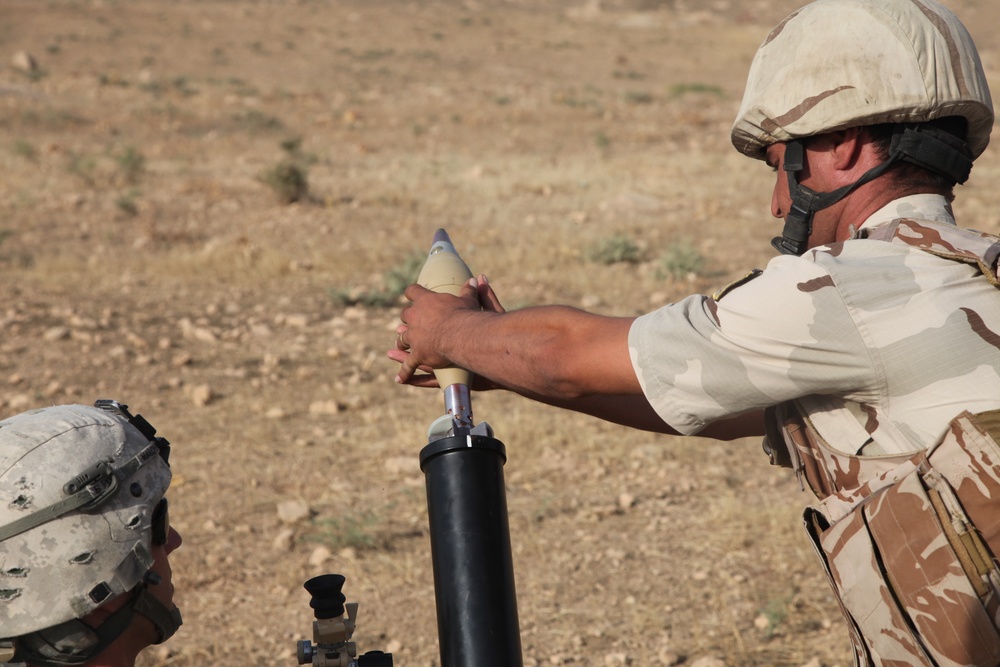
(945, 240)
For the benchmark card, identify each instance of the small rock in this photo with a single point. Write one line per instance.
(202, 395)
(356, 313)
(24, 61)
(319, 556)
(668, 658)
(393, 646)
(19, 401)
(284, 539)
(181, 359)
(626, 500)
(193, 332)
(291, 511)
(56, 333)
(275, 413)
(324, 408)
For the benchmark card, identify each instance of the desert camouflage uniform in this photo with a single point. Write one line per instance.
(874, 357)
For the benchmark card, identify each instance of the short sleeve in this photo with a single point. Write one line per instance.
(784, 334)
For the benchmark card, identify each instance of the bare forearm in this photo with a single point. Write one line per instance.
(633, 411)
(636, 412)
(555, 352)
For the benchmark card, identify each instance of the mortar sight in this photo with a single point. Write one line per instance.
(327, 598)
(336, 619)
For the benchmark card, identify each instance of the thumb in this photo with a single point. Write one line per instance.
(414, 291)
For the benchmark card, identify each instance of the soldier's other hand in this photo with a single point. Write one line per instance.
(427, 326)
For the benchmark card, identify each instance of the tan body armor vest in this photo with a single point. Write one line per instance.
(908, 541)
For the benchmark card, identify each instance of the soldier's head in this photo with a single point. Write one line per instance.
(903, 73)
(84, 535)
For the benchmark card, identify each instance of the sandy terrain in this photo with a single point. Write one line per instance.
(144, 256)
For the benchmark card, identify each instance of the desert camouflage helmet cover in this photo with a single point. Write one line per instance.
(66, 567)
(846, 63)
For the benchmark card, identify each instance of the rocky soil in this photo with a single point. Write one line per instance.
(149, 252)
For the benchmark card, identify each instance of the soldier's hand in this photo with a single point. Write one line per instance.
(427, 330)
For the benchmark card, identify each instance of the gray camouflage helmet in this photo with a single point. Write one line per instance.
(78, 487)
(836, 64)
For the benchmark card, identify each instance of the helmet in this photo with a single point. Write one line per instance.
(836, 64)
(78, 490)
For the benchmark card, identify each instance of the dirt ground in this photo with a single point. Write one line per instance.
(145, 255)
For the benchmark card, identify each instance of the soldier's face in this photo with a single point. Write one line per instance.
(161, 565)
(811, 176)
(145, 633)
(142, 633)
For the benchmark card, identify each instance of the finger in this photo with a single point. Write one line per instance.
(470, 290)
(406, 369)
(401, 343)
(414, 291)
(487, 297)
(400, 356)
(423, 380)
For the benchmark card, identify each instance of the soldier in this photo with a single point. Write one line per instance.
(868, 352)
(84, 537)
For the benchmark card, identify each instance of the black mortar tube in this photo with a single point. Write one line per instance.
(470, 551)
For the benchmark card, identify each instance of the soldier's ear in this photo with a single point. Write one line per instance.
(840, 157)
(847, 149)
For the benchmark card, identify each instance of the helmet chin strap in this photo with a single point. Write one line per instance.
(75, 643)
(166, 621)
(927, 147)
(794, 237)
